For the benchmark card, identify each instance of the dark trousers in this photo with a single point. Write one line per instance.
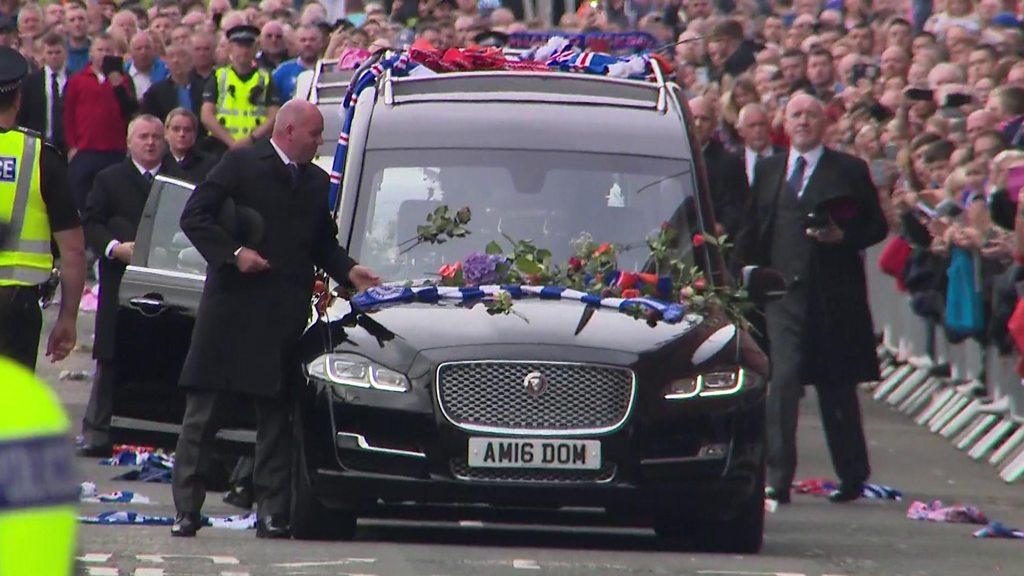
(272, 473)
(20, 323)
(83, 169)
(96, 420)
(837, 400)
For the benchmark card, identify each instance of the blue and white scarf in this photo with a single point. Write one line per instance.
(381, 296)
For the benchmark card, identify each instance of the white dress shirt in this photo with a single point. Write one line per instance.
(62, 80)
(141, 80)
(812, 157)
(750, 160)
(280, 153)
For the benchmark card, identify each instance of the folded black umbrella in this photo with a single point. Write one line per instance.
(242, 223)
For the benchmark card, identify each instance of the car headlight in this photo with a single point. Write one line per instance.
(353, 370)
(706, 384)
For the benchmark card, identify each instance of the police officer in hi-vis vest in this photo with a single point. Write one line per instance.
(35, 207)
(239, 101)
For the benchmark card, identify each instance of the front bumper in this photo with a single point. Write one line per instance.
(700, 456)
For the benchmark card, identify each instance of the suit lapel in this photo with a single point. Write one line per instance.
(822, 188)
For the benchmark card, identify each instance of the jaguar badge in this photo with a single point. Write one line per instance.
(535, 384)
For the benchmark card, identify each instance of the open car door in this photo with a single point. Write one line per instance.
(159, 297)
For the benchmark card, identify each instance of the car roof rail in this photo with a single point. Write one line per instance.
(329, 85)
(527, 87)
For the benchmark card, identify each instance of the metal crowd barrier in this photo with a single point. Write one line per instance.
(978, 404)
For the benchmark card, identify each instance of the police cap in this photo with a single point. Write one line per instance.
(243, 34)
(491, 39)
(13, 68)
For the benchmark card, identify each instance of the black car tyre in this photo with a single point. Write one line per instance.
(310, 519)
(741, 534)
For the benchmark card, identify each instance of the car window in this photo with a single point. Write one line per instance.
(169, 248)
(551, 198)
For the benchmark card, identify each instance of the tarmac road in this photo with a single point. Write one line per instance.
(810, 537)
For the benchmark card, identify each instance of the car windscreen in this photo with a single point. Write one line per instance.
(169, 248)
(551, 198)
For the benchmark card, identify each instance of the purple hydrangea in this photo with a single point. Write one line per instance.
(479, 268)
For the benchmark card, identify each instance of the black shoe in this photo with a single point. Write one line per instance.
(186, 524)
(847, 493)
(780, 496)
(240, 497)
(94, 450)
(272, 527)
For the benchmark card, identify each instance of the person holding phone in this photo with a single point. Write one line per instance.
(98, 103)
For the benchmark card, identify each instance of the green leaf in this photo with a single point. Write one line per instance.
(494, 249)
(528, 266)
(543, 256)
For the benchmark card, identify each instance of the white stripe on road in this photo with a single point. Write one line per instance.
(522, 564)
(471, 524)
(730, 573)
(328, 563)
(148, 572)
(98, 558)
(159, 558)
(99, 571)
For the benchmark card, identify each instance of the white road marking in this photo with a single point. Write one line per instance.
(328, 563)
(522, 564)
(100, 571)
(471, 524)
(95, 557)
(148, 572)
(234, 574)
(730, 573)
(159, 558)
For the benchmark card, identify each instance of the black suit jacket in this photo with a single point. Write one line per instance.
(113, 210)
(162, 97)
(835, 295)
(32, 114)
(193, 167)
(248, 325)
(727, 185)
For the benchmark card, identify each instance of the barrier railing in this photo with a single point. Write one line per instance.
(968, 394)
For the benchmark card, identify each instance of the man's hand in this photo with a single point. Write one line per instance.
(62, 339)
(830, 234)
(115, 79)
(123, 252)
(362, 277)
(250, 262)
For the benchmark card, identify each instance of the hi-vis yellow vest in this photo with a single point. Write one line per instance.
(235, 108)
(38, 490)
(25, 256)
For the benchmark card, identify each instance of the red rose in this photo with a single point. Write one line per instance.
(575, 264)
(698, 240)
(603, 249)
(700, 284)
(631, 293)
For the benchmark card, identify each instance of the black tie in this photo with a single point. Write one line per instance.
(149, 176)
(796, 180)
(293, 171)
(55, 106)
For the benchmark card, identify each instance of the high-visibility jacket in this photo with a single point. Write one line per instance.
(25, 256)
(241, 105)
(38, 491)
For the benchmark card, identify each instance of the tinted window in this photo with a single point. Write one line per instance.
(551, 198)
(169, 248)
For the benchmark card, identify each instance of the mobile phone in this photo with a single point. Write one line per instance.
(919, 94)
(112, 64)
(957, 99)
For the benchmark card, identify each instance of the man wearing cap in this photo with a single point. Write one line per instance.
(240, 101)
(35, 205)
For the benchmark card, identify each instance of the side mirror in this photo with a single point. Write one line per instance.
(763, 284)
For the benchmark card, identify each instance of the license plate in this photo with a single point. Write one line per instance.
(534, 453)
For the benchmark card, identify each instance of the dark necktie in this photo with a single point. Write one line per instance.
(796, 180)
(293, 171)
(148, 176)
(55, 107)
